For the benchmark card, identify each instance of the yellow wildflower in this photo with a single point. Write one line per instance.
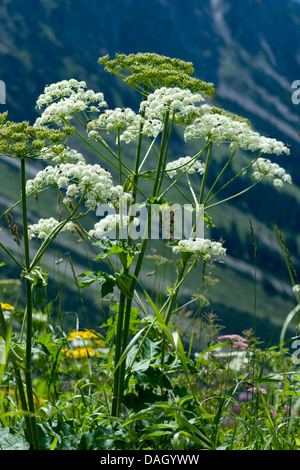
(81, 334)
(80, 353)
(7, 307)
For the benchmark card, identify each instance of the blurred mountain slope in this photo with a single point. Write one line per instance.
(250, 50)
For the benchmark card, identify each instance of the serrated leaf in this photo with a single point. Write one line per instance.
(107, 281)
(36, 276)
(10, 440)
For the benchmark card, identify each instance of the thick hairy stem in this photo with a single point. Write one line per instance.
(155, 190)
(175, 292)
(28, 379)
(121, 333)
(118, 351)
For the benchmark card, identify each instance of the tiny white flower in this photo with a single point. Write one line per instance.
(223, 128)
(206, 248)
(63, 99)
(185, 164)
(45, 227)
(265, 168)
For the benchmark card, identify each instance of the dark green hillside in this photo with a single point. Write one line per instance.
(249, 50)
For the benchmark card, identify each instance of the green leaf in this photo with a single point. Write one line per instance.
(126, 252)
(126, 259)
(38, 298)
(183, 422)
(208, 220)
(46, 345)
(147, 174)
(37, 277)
(151, 377)
(109, 250)
(124, 283)
(107, 281)
(10, 440)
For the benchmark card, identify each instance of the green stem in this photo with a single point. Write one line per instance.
(232, 179)
(161, 155)
(172, 300)
(205, 173)
(122, 329)
(166, 151)
(139, 263)
(175, 292)
(12, 256)
(53, 235)
(28, 379)
(121, 385)
(219, 176)
(119, 157)
(182, 174)
(119, 378)
(137, 162)
(118, 352)
(233, 196)
(116, 165)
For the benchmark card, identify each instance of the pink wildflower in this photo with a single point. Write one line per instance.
(238, 342)
(254, 390)
(240, 345)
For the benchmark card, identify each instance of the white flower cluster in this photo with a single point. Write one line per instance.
(45, 227)
(124, 119)
(296, 288)
(154, 109)
(221, 128)
(187, 164)
(206, 248)
(77, 179)
(151, 128)
(111, 222)
(118, 118)
(60, 154)
(265, 168)
(170, 99)
(65, 98)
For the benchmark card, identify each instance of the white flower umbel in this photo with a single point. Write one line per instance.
(185, 164)
(121, 119)
(63, 99)
(110, 119)
(206, 248)
(182, 102)
(61, 154)
(265, 168)
(222, 128)
(111, 222)
(45, 227)
(296, 288)
(125, 120)
(79, 178)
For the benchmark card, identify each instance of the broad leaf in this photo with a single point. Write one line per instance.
(107, 281)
